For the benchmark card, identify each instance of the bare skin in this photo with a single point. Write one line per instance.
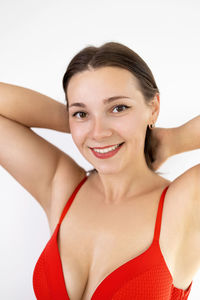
(101, 125)
(110, 234)
(125, 193)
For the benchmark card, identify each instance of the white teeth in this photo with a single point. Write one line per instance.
(106, 150)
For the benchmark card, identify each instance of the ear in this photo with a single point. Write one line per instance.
(155, 108)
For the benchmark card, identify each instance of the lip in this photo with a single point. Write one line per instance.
(105, 146)
(108, 154)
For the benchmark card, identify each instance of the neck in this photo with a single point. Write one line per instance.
(117, 186)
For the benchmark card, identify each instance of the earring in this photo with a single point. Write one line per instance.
(151, 126)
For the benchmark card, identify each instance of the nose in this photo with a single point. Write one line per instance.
(100, 129)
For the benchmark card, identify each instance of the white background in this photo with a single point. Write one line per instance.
(37, 41)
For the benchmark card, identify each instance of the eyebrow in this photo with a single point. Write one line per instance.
(105, 101)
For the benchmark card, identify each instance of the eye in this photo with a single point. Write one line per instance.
(79, 112)
(82, 114)
(119, 107)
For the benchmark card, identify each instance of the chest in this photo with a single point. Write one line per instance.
(95, 239)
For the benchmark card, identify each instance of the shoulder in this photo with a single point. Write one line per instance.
(62, 191)
(188, 182)
(184, 194)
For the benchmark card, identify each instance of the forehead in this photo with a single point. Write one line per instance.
(102, 82)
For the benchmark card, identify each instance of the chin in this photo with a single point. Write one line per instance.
(107, 170)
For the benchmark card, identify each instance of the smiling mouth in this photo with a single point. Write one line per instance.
(106, 147)
(107, 152)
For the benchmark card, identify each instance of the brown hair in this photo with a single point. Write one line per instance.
(117, 55)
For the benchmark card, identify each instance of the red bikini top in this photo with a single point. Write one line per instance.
(143, 277)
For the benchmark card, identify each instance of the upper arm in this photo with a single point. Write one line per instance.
(67, 177)
(188, 184)
(195, 174)
(31, 160)
(191, 179)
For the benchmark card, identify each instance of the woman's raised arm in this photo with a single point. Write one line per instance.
(39, 166)
(32, 109)
(172, 141)
(185, 137)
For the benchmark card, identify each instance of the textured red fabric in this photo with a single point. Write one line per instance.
(143, 277)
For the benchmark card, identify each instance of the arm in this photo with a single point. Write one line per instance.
(172, 141)
(32, 109)
(182, 139)
(39, 166)
(185, 137)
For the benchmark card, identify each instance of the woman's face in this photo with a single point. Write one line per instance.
(97, 122)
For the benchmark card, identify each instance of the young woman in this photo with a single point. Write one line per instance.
(107, 240)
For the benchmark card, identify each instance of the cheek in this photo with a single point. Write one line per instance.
(76, 134)
(130, 126)
(133, 129)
